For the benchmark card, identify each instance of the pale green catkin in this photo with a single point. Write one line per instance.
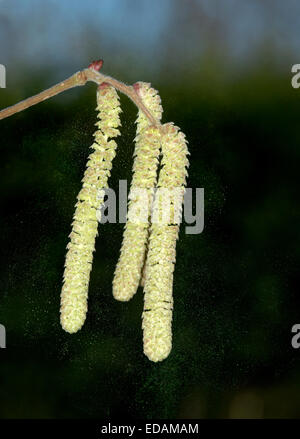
(79, 256)
(147, 150)
(158, 290)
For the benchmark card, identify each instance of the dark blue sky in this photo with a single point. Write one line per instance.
(159, 34)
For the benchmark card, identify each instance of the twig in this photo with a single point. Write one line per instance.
(80, 78)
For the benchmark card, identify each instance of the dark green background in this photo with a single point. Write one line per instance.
(236, 285)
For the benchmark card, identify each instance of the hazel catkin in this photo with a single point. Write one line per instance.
(80, 249)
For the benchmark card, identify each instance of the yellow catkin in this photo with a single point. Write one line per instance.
(128, 270)
(79, 256)
(158, 290)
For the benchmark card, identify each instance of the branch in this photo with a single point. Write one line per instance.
(80, 78)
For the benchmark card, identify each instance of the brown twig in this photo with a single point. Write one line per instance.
(80, 78)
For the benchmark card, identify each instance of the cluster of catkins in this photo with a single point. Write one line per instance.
(148, 250)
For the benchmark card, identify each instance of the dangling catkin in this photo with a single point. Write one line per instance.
(79, 256)
(158, 290)
(128, 270)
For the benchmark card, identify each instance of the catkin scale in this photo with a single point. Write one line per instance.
(158, 290)
(80, 249)
(132, 255)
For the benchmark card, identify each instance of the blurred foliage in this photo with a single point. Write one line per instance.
(236, 284)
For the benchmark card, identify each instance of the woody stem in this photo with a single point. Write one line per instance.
(80, 78)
